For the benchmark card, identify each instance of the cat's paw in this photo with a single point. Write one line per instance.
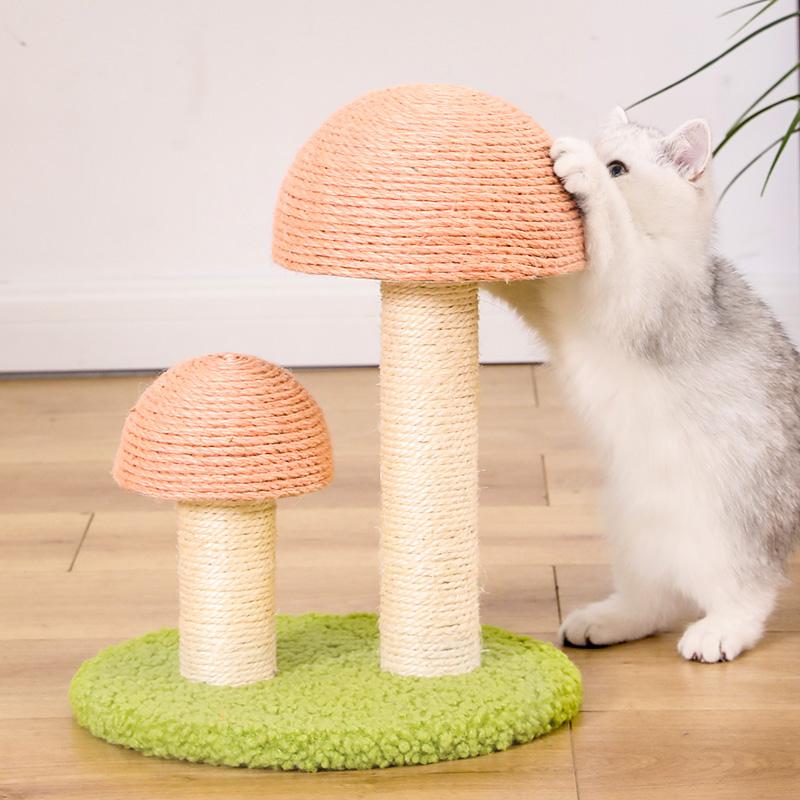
(576, 164)
(603, 623)
(712, 640)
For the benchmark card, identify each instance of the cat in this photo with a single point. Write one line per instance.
(688, 386)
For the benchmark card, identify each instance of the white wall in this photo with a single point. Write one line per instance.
(143, 144)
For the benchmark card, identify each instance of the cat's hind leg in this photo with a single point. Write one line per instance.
(623, 616)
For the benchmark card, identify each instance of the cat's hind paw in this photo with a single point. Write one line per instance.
(603, 623)
(577, 165)
(711, 640)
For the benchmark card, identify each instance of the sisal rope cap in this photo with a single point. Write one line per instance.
(224, 427)
(427, 183)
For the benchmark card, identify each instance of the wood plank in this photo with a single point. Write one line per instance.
(549, 392)
(507, 385)
(651, 675)
(663, 755)
(67, 438)
(35, 675)
(519, 597)
(556, 431)
(79, 767)
(69, 486)
(54, 396)
(40, 542)
(80, 605)
(342, 387)
(128, 540)
(544, 534)
(574, 478)
(86, 605)
(510, 459)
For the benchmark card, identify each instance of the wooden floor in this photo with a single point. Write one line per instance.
(83, 564)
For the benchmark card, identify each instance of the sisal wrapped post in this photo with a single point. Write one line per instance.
(226, 592)
(429, 620)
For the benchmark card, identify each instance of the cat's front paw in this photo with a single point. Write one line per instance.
(715, 639)
(610, 621)
(576, 164)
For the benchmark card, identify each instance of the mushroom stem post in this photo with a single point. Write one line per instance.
(226, 587)
(429, 604)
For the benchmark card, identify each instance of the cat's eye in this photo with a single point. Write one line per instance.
(616, 168)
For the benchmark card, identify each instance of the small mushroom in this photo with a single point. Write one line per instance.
(429, 189)
(225, 435)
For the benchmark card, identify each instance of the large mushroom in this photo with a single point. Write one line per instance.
(225, 435)
(429, 189)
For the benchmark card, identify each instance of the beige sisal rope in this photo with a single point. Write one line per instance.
(429, 619)
(226, 583)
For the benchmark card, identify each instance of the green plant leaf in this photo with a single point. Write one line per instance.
(737, 126)
(788, 135)
(753, 18)
(714, 60)
(739, 8)
(749, 164)
(766, 93)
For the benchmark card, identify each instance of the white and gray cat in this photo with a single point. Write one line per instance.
(689, 387)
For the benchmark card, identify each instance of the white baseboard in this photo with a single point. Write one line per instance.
(137, 325)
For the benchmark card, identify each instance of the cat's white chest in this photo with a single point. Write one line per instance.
(638, 420)
(616, 393)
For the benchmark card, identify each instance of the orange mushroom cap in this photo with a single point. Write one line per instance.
(224, 427)
(427, 183)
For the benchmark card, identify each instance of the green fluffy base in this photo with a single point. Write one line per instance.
(330, 706)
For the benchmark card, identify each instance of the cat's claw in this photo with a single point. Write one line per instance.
(576, 164)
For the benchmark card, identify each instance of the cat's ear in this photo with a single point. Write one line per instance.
(616, 116)
(689, 148)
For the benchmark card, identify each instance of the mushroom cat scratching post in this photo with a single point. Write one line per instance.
(225, 436)
(429, 189)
